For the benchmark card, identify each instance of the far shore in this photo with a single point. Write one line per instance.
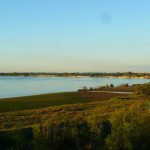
(121, 77)
(124, 75)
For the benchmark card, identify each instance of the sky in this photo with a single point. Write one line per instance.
(74, 35)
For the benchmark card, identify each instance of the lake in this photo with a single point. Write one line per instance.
(24, 86)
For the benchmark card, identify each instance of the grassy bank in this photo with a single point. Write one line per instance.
(45, 100)
(101, 108)
(39, 101)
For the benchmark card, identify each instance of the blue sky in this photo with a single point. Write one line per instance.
(74, 35)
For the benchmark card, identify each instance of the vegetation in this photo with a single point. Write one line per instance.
(111, 85)
(46, 100)
(90, 74)
(118, 123)
(143, 89)
(39, 101)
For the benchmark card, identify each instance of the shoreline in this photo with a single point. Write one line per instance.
(111, 77)
(117, 89)
(43, 94)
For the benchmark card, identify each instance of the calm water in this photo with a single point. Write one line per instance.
(23, 86)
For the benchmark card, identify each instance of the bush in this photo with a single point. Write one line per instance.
(143, 89)
(129, 132)
(111, 85)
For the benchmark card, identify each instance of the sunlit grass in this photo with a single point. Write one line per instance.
(39, 101)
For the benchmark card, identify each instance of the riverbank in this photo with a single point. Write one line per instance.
(55, 99)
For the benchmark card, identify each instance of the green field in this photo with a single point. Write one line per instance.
(39, 101)
(55, 99)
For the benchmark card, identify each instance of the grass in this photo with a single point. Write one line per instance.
(56, 99)
(119, 89)
(102, 109)
(92, 125)
(40, 101)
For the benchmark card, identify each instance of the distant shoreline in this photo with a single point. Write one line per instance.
(128, 75)
(121, 77)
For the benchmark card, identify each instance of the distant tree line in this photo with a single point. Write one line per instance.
(67, 74)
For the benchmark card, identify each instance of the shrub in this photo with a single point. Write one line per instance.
(129, 132)
(111, 85)
(143, 89)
